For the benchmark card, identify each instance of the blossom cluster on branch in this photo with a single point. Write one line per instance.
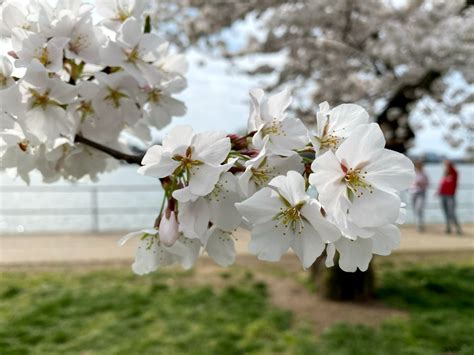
(80, 79)
(333, 187)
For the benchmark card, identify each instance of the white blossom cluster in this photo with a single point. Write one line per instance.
(332, 188)
(67, 76)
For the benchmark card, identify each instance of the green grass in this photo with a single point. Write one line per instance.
(440, 300)
(115, 312)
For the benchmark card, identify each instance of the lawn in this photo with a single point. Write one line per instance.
(111, 311)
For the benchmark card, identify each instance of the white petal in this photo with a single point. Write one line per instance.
(203, 178)
(275, 105)
(354, 254)
(291, 187)
(194, 218)
(211, 147)
(307, 245)
(330, 253)
(365, 142)
(153, 155)
(326, 230)
(179, 137)
(163, 168)
(254, 120)
(222, 201)
(386, 239)
(261, 207)
(268, 241)
(130, 33)
(375, 209)
(391, 171)
(220, 247)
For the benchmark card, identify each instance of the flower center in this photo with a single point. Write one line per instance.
(41, 100)
(274, 128)
(263, 173)
(3, 80)
(115, 96)
(186, 162)
(291, 218)
(123, 14)
(329, 142)
(154, 95)
(355, 182)
(86, 109)
(133, 55)
(43, 57)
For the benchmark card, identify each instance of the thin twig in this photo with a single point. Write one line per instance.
(131, 159)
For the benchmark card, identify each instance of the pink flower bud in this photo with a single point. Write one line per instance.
(168, 230)
(13, 54)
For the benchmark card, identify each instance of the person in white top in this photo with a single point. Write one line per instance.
(418, 191)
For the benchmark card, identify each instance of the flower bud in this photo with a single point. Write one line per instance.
(168, 230)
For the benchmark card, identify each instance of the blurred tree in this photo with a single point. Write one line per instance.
(392, 57)
(395, 58)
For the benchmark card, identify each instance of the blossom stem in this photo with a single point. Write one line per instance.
(130, 159)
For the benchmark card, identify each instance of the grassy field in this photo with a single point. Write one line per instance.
(111, 311)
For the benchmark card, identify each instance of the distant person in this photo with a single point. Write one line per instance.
(418, 191)
(447, 192)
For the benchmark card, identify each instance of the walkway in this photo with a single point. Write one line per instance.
(103, 248)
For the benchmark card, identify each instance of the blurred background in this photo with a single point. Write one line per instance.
(66, 287)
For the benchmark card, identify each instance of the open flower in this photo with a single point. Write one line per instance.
(105, 128)
(218, 208)
(284, 216)
(194, 157)
(359, 182)
(264, 167)
(152, 253)
(116, 12)
(84, 38)
(6, 69)
(133, 51)
(334, 125)
(39, 103)
(277, 133)
(48, 51)
(117, 98)
(159, 105)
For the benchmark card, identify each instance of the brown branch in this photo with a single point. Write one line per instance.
(131, 159)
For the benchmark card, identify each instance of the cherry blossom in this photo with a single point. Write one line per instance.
(284, 216)
(152, 253)
(196, 158)
(333, 126)
(277, 133)
(38, 102)
(133, 51)
(360, 181)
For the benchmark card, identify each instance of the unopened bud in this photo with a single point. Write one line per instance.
(168, 230)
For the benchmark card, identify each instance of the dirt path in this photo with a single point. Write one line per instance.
(103, 248)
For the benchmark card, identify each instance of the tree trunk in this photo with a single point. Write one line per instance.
(338, 285)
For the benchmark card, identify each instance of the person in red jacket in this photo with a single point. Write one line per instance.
(447, 192)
